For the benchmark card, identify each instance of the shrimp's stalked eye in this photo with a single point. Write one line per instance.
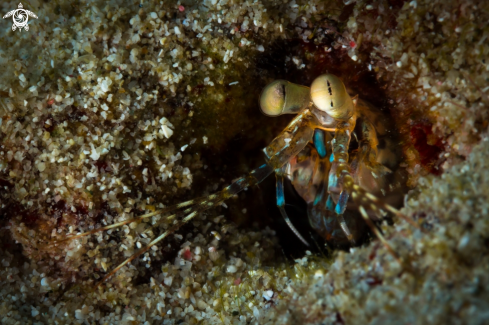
(328, 94)
(283, 97)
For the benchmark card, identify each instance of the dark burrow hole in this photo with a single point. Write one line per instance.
(241, 153)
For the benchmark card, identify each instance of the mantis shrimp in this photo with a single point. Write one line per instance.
(314, 152)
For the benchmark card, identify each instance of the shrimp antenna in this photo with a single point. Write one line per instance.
(194, 208)
(137, 219)
(364, 197)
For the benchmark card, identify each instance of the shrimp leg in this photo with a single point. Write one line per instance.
(368, 157)
(368, 150)
(291, 140)
(340, 180)
(320, 145)
(279, 174)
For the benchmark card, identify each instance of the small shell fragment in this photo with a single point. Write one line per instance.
(268, 294)
(167, 132)
(231, 269)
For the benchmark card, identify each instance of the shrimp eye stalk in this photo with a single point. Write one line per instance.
(328, 94)
(283, 97)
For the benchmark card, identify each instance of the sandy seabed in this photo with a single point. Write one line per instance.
(106, 108)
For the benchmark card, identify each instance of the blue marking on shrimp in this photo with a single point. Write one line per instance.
(259, 168)
(319, 197)
(280, 195)
(330, 203)
(319, 142)
(342, 201)
(332, 180)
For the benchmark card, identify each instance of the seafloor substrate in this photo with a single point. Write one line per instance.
(112, 109)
